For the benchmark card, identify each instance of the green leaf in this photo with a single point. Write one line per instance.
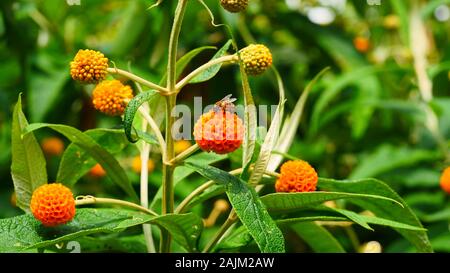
(287, 202)
(184, 228)
(185, 60)
(387, 158)
(181, 172)
(113, 169)
(289, 130)
(132, 108)
(317, 237)
(76, 162)
(248, 207)
(442, 215)
(24, 232)
(107, 243)
(364, 220)
(240, 237)
(44, 92)
(271, 138)
(213, 70)
(212, 191)
(250, 123)
(28, 169)
(390, 211)
(333, 90)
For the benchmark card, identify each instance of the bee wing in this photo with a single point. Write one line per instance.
(228, 99)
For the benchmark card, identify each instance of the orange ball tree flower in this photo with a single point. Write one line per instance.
(296, 176)
(53, 204)
(89, 66)
(111, 97)
(219, 131)
(256, 59)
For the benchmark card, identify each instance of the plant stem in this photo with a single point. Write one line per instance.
(193, 74)
(138, 79)
(87, 200)
(185, 154)
(353, 237)
(167, 184)
(226, 225)
(173, 44)
(144, 184)
(155, 129)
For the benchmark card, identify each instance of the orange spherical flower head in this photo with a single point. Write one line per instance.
(234, 5)
(445, 180)
(97, 171)
(52, 146)
(361, 44)
(111, 97)
(296, 176)
(89, 66)
(53, 204)
(137, 162)
(219, 130)
(256, 59)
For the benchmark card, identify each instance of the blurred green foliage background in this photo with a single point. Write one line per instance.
(367, 118)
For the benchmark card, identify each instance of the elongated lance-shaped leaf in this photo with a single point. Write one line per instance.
(317, 237)
(288, 202)
(250, 124)
(213, 70)
(130, 112)
(271, 137)
(25, 232)
(183, 62)
(76, 162)
(387, 211)
(248, 207)
(290, 127)
(28, 169)
(113, 169)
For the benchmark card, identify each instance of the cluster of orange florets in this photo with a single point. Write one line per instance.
(219, 131)
(53, 204)
(256, 59)
(234, 5)
(296, 176)
(89, 66)
(445, 180)
(111, 97)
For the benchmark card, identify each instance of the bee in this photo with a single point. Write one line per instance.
(225, 104)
